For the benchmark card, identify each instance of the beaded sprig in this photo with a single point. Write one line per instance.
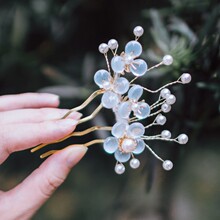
(123, 98)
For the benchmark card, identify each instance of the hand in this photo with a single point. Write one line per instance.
(28, 120)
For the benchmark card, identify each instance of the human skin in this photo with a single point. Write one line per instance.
(27, 120)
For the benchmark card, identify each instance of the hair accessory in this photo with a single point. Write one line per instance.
(123, 97)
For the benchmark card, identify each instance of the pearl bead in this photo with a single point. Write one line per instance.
(170, 99)
(166, 134)
(182, 138)
(186, 78)
(167, 165)
(119, 168)
(138, 31)
(103, 48)
(128, 145)
(165, 108)
(165, 92)
(134, 163)
(113, 44)
(167, 60)
(161, 119)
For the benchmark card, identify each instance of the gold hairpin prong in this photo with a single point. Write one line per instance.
(85, 103)
(97, 110)
(74, 134)
(47, 154)
(90, 143)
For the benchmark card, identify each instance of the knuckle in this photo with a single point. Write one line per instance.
(52, 182)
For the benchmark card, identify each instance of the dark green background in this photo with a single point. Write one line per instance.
(48, 45)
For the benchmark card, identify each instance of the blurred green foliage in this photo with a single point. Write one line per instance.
(51, 46)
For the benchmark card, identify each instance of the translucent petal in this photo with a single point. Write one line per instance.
(118, 130)
(122, 157)
(133, 48)
(140, 147)
(124, 109)
(110, 99)
(102, 77)
(143, 110)
(121, 85)
(135, 92)
(135, 130)
(117, 64)
(110, 145)
(138, 67)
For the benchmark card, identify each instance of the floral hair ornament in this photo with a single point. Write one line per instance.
(123, 98)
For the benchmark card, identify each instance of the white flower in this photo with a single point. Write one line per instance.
(140, 109)
(114, 87)
(126, 140)
(127, 61)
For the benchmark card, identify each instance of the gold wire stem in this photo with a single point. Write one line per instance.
(153, 67)
(157, 65)
(151, 150)
(159, 100)
(97, 141)
(155, 113)
(155, 91)
(158, 104)
(97, 110)
(107, 62)
(85, 103)
(74, 134)
(150, 125)
(133, 79)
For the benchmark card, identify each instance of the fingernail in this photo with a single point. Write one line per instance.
(76, 115)
(55, 97)
(75, 154)
(67, 122)
(51, 97)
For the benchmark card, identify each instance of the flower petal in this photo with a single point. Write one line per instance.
(102, 78)
(138, 67)
(133, 48)
(122, 157)
(117, 64)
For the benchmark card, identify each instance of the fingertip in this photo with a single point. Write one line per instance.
(75, 115)
(74, 153)
(52, 99)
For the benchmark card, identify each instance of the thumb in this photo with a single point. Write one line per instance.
(27, 197)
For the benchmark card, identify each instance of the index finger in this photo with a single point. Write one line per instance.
(28, 100)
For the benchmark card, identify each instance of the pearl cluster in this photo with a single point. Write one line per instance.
(123, 98)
